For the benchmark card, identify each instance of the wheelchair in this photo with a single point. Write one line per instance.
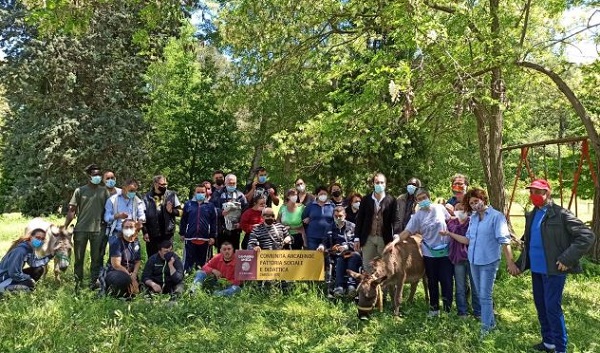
(331, 258)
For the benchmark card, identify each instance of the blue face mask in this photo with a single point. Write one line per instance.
(425, 203)
(262, 179)
(200, 196)
(411, 189)
(110, 183)
(96, 179)
(231, 188)
(36, 243)
(379, 188)
(131, 195)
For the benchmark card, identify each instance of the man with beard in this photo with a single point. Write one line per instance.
(162, 206)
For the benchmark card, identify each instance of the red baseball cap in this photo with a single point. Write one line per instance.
(539, 184)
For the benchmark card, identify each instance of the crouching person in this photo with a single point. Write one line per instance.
(340, 243)
(163, 273)
(13, 277)
(121, 277)
(220, 266)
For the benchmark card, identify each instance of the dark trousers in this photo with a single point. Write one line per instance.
(194, 255)
(27, 285)
(80, 240)
(298, 243)
(232, 236)
(153, 245)
(342, 264)
(440, 272)
(169, 288)
(547, 296)
(117, 283)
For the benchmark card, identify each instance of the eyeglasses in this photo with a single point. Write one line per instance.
(163, 184)
(268, 215)
(40, 237)
(458, 184)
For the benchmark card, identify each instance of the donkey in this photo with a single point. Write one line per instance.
(401, 262)
(58, 244)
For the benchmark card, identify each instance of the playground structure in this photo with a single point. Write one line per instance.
(524, 161)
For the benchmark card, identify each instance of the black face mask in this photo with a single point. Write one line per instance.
(269, 221)
(336, 193)
(162, 189)
(220, 181)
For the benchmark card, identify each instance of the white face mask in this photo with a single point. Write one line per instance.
(128, 233)
(461, 215)
(294, 198)
(301, 188)
(356, 205)
(322, 197)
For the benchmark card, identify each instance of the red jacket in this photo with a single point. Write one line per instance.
(249, 219)
(227, 269)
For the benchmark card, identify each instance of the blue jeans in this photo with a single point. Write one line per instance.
(462, 270)
(313, 243)
(483, 278)
(341, 265)
(229, 291)
(547, 296)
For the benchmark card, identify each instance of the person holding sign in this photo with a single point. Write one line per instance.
(269, 235)
(340, 243)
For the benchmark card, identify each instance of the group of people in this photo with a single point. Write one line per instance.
(462, 239)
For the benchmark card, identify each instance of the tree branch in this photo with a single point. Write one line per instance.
(525, 23)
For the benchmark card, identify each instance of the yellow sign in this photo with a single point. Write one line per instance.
(290, 265)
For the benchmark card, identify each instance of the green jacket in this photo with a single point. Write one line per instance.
(565, 239)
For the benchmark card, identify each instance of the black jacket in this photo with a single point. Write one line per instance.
(364, 218)
(160, 223)
(565, 239)
(158, 270)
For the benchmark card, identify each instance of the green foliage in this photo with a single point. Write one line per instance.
(75, 98)
(191, 132)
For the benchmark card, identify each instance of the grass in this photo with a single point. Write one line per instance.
(55, 319)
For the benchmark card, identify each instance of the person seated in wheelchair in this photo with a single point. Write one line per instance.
(339, 243)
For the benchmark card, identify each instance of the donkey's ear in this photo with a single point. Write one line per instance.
(377, 281)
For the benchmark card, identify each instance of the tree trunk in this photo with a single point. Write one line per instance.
(594, 142)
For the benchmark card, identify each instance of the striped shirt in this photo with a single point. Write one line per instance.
(268, 237)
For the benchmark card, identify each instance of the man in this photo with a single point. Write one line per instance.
(162, 206)
(554, 242)
(340, 240)
(163, 272)
(229, 203)
(198, 229)
(87, 204)
(260, 186)
(126, 205)
(405, 205)
(269, 235)
(375, 221)
(220, 266)
(460, 184)
(218, 181)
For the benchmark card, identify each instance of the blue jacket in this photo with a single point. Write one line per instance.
(12, 264)
(340, 236)
(320, 219)
(199, 220)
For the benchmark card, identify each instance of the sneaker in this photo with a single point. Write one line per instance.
(338, 291)
(544, 347)
(351, 290)
(433, 313)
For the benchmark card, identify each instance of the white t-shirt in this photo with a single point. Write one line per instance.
(429, 222)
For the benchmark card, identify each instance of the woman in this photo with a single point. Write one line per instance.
(429, 221)
(405, 205)
(335, 190)
(290, 215)
(121, 277)
(457, 230)
(318, 217)
(487, 234)
(13, 277)
(353, 206)
(252, 216)
(303, 197)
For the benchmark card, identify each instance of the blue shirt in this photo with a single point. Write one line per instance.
(537, 256)
(135, 210)
(321, 219)
(487, 236)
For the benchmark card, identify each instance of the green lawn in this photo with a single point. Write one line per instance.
(55, 319)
